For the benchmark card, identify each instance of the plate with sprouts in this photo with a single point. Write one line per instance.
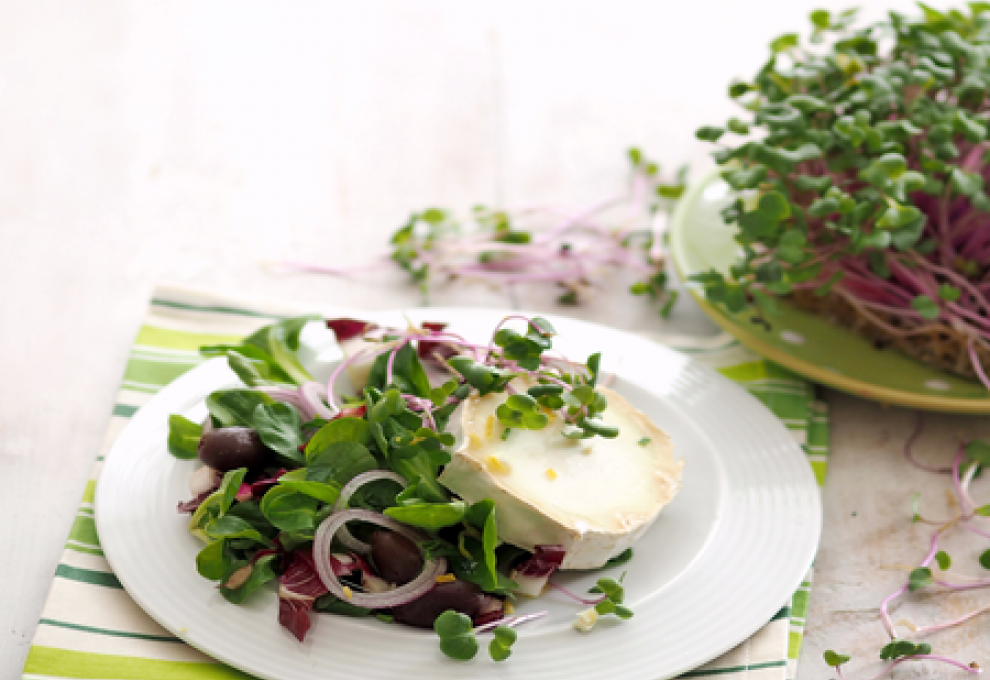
(808, 344)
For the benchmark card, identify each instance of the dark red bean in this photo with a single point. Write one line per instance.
(460, 596)
(230, 448)
(397, 559)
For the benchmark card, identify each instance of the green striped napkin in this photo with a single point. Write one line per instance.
(91, 629)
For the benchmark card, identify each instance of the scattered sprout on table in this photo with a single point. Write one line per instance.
(569, 249)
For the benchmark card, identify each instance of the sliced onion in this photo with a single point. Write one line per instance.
(322, 545)
(313, 393)
(344, 535)
(289, 396)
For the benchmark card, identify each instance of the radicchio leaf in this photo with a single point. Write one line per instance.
(244, 493)
(492, 609)
(532, 575)
(431, 350)
(298, 588)
(294, 615)
(545, 561)
(300, 585)
(260, 487)
(345, 329)
(193, 504)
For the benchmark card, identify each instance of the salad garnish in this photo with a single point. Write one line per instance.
(334, 494)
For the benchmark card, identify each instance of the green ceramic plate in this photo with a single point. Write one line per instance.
(802, 342)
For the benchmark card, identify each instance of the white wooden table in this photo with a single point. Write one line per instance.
(189, 141)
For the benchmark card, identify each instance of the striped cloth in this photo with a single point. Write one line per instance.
(91, 629)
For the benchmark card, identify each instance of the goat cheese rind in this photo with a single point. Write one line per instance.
(596, 497)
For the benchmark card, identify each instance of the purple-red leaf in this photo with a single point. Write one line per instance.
(193, 504)
(298, 588)
(294, 615)
(545, 561)
(431, 350)
(261, 486)
(345, 329)
(300, 577)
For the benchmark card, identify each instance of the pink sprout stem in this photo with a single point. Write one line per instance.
(916, 657)
(979, 532)
(885, 615)
(954, 622)
(884, 612)
(965, 500)
(575, 596)
(509, 621)
(365, 353)
(977, 366)
(918, 428)
(976, 585)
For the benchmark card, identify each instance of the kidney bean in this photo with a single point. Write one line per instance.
(396, 558)
(230, 448)
(461, 596)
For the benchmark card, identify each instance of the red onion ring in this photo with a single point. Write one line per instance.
(322, 545)
(344, 535)
(291, 397)
(313, 393)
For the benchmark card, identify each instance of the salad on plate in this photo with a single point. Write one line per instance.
(446, 480)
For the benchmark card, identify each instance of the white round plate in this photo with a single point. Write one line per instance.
(720, 561)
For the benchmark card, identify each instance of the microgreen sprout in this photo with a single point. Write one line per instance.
(895, 649)
(564, 248)
(458, 641)
(621, 558)
(456, 637)
(919, 578)
(943, 559)
(897, 652)
(861, 183)
(968, 458)
(611, 603)
(500, 647)
(833, 659)
(916, 507)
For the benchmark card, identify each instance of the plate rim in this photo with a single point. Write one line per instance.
(845, 383)
(816, 510)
